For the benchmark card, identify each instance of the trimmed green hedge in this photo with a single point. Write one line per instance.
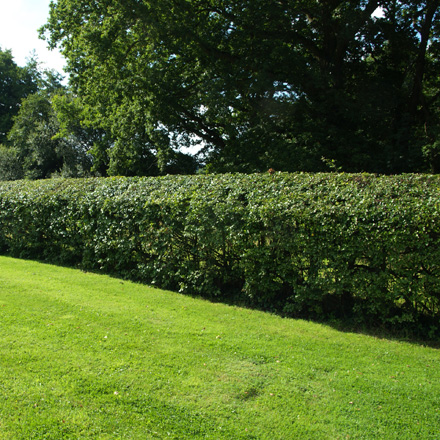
(311, 245)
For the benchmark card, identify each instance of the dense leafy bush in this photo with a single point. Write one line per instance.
(315, 245)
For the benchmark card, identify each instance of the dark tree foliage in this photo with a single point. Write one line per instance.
(288, 84)
(40, 152)
(15, 84)
(44, 140)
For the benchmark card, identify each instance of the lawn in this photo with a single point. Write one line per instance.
(87, 356)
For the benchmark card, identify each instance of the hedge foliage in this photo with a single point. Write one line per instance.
(311, 245)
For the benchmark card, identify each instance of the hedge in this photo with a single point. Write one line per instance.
(309, 245)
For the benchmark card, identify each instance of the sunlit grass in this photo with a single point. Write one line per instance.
(86, 356)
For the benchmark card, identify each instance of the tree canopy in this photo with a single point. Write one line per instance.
(293, 85)
(15, 84)
(46, 131)
(44, 134)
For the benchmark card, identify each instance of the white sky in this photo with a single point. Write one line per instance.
(19, 23)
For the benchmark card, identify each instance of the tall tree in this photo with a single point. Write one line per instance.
(72, 124)
(261, 83)
(10, 166)
(15, 84)
(41, 140)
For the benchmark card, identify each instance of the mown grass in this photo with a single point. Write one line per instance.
(86, 356)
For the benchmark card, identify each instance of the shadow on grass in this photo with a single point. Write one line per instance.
(424, 332)
(347, 315)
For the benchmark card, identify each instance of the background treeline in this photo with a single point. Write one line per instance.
(43, 133)
(357, 247)
(293, 85)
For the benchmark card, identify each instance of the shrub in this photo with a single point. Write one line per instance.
(311, 245)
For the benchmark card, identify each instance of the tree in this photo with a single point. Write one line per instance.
(91, 142)
(37, 141)
(286, 84)
(10, 166)
(15, 84)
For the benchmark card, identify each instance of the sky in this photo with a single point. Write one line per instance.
(19, 23)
